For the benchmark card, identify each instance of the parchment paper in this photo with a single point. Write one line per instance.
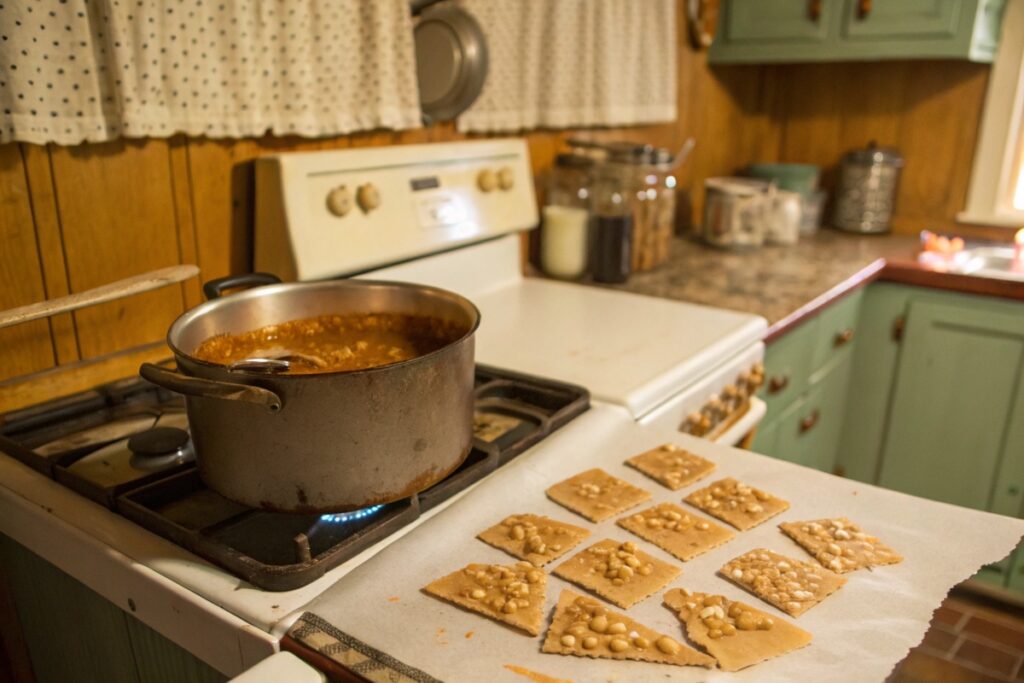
(860, 632)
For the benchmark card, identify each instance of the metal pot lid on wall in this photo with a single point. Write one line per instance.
(451, 59)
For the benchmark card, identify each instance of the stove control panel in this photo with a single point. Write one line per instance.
(719, 410)
(336, 213)
(716, 402)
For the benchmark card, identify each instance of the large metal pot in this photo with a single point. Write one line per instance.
(332, 441)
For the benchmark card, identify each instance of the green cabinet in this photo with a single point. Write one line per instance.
(769, 21)
(935, 405)
(956, 391)
(806, 376)
(73, 634)
(766, 31)
(905, 19)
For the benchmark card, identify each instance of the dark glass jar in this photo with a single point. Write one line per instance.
(611, 232)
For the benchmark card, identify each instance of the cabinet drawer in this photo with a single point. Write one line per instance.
(837, 330)
(809, 432)
(910, 19)
(779, 20)
(787, 366)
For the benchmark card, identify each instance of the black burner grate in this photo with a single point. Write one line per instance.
(274, 551)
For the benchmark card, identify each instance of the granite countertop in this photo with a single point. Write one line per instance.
(786, 284)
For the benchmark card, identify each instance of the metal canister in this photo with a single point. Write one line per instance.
(866, 197)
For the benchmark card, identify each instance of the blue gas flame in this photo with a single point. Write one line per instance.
(343, 517)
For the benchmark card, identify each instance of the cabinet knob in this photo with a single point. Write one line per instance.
(814, 10)
(777, 384)
(863, 9)
(807, 424)
(844, 337)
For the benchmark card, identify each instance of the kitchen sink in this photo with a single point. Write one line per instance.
(996, 262)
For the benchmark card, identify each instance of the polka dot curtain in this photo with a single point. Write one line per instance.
(562, 63)
(93, 70)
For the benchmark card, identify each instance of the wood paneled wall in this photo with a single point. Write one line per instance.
(929, 110)
(72, 218)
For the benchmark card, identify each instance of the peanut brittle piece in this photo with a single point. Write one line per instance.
(675, 531)
(737, 504)
(534, 538)
(618, 572)
(596, 495)
(512, 595)
(583, 627)
(840, 545)
(791, 585)
(734, 633)
(671, 466)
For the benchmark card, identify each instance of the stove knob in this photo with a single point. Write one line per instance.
(368, 197)
(486, 180)
(714, 406)
(692, 424)
(339, 201)
(506, 179)
(730, 392)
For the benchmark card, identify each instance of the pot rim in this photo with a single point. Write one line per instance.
(269, 290)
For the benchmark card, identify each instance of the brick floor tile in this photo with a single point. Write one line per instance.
(920, 667)
(1008, 633)
(948, 614)
(939, 639)
(987, 657)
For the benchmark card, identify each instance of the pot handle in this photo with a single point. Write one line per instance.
(208, 388)
(214, 289)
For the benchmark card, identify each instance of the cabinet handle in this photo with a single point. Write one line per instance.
(844, 337)
(863, 9)
(898, 327)
(777, 384)
(807, 424)
(814, 10)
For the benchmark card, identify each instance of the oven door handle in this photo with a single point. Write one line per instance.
(208, 388)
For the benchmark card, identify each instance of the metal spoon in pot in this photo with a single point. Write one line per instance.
(275, 364)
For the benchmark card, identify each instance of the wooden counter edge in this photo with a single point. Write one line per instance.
(898, 272)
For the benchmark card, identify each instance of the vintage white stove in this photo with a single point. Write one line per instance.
(448, 215)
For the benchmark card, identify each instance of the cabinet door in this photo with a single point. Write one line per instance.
(910, 19)
(778, 20)
(875, 358)
(954, 400)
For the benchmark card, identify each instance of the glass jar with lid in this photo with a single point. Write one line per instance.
(611, 231)
(635, 163)
(664, 219)
(566, 217)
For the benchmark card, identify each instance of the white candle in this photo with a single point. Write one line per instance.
(563, 246)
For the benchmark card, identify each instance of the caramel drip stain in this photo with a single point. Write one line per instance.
(469, 634)
(394, 598)
(534, 676)
(441, 636)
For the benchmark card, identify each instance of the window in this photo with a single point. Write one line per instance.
(996, 193)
